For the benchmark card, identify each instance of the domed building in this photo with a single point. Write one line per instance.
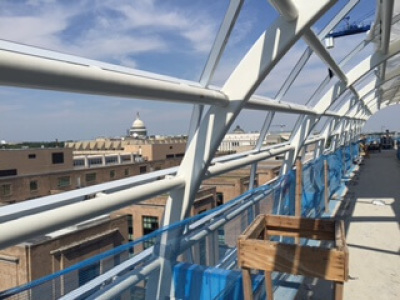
(238, 130)
(138, 128)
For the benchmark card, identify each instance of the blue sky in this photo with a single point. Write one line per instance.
(171, 37)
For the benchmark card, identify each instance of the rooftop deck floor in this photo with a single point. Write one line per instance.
(372, 216)
(371, 211)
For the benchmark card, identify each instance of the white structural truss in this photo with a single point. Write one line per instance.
(364, 82)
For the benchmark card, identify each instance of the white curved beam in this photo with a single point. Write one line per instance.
(28, 71)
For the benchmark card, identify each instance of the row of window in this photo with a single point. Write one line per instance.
(109, 160)
(95, 161)
(79, 162)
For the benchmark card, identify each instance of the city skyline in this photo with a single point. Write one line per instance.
(175, 43)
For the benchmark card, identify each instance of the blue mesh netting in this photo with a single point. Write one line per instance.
(347, 159)
(355, 150)
(217, 273)
(335, 163)
(313, 187)
(285, 195)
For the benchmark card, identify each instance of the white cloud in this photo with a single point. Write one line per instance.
(128, 62)
(145, 14)
(116, 47)
(107, 30)
(241, 32)
(201, 37)
(39, 2)
(33, 30)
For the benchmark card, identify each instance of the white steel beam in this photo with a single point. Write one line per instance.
(126, 281)
(22, 229)
(341, 137)
(221, 40)
(386, 25)
(286, 8)
(215, 55)
(219, 169)
(264, 103)
(315, 44)
(29, 71)
(313, 140)
(326, 133)
(264, 131)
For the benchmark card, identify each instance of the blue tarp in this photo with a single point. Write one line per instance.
(335, 171)
(313, 187)
(197, 282)
(285, 195)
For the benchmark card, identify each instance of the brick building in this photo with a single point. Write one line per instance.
(58, 250)
(23, 178)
